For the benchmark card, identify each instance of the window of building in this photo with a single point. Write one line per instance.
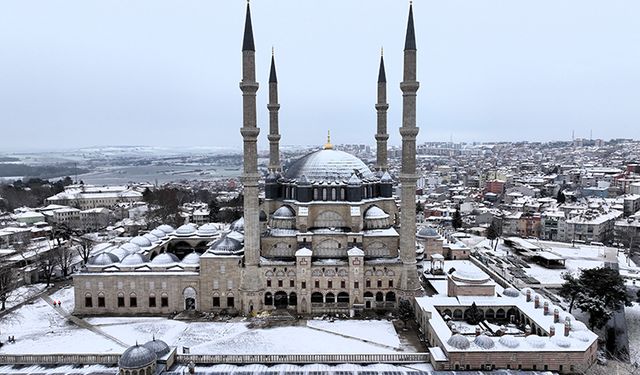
(367, 283)
(356, 285)
(390, 283)
(269, 283)
(230, 302)
(292, 283)
(164, 301)
(88, 301)
(152, 300)
(101, 300)
(329, 284)
(133, 300)
(317, 283)
(229, 284)
(222, 268)
(120, 300)
(279, 283)
(379, 283)
(216, 301)
(343, 284)
(304, 285)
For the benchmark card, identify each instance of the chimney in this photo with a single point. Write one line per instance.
(567, 327)
(556, 315)
(528, 295)
(536, 301)
(552, 331)
(545, 306)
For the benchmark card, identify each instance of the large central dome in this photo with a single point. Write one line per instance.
(328, 164)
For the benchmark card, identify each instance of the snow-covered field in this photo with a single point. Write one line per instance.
(381, 332)
(23, 293)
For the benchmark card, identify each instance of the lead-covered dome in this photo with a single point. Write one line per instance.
(130, 247)
(328, 164)
(483, 341)
(511, 292)
(134, 260)
(141, 241)
(186, 230)
(137, 357)
(191, 258)
(458, 341)
(166, 228)
(428, 232)
(225, 246)
(103, 259)
(158, 346)
(207, 230)
(165, 258)
(158, 233)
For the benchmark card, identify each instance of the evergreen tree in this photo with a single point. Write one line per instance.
(214, 209)
(405, 311)
(457, 219)
(561, 198)
(492, 233)
(474, 315)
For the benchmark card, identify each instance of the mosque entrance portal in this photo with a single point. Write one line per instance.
(281, 300)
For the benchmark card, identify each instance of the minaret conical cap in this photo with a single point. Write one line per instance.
(247, 41)
(382, 77)
(272, 74)
(410, 40)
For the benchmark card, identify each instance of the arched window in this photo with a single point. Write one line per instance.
(316, 297)
(329, 219)
(88, 301)
(133, 300)
(447, 312)
(324, 194)
(490, 314)
(315, 194)
(379, 297)
(343, 297)
(330, 298)
(333, 194)
(293, 299)
(457, 314)
(120, 299)
(368, 295)
(101, 301)
(268, 299)
(390, 297)
(152, 300)
(500, 314)
(342, 194)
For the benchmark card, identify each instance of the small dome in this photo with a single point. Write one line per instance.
(284, 212)
(166, 228)
(130, 247)
(158, 346)
(225, 246)
(236, 236)
(581, 335)
(103, 259)
(428, 232)
(134, 260)
(207, 230)
(375, 212)
(158, 233)
(238, 225)
(354, 180)
(165, 258)
(191, 258)
(141, 241)
(577, 325)
(536, 341)
(511, 292)
(561, 341)
(120, 253)
(151, 237)
(137, 357)
(458, 341)
(483, 341)
(470, 276)
(186, 230)
(509, 341)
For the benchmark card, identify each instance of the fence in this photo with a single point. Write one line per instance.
(303, 358)
(56, 359)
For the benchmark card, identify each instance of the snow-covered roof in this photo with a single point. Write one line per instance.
(304, 252)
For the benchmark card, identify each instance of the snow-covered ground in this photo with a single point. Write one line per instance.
(381, 332)
(632, 315)
(23, 293)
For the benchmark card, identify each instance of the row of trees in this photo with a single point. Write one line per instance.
(29, 193)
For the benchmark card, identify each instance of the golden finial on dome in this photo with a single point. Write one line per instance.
(328, 145)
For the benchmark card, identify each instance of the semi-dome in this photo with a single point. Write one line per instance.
(130, 247)
(225, 246)
(511, 292)
(191, 258)
(483, 341)
(166, 228)
(328, 164)
(158, 233)
(159, 347)
(428, 232)
(207, 230)
(137, 357)
(376, 218)
(375, 212)
(165, 258)
(141, 241)
(238, 225)
(458, 341)
(186, 230)
(134, 260)
(284, 212)
(103, 259)
(509, 341)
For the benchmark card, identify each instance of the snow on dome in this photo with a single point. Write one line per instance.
(165, 258)
(207, 230)
(191, 258)
(186, 230)
(375, 212)
(134, 260)
(354, 180)
(428, 232)
(577, 325)
(511, 292)
(484, 341)
(225, 245)
(470, 276)
(151, 237)
(137, 357)
(355, 252)
(327, 164)
(166, 228)
(536, 341)
(509, 341)
(159, 347)
(284, 212)
(561, 341)
(458, 341)
(236, 236)
(103, 259)
(238, 225)
(304, 252)
(141, 241)
(158, 233)
(581, 335)
(130, 247)
(120, 253)
(386, 178)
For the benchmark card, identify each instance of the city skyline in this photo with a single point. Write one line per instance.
(487, 72)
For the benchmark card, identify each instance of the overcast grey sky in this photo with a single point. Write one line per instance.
(165, 72)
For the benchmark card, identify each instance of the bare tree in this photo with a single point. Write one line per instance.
(83, 247)
(63, 258)
(9, 281)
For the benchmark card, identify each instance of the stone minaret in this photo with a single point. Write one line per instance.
(409, 86)
(381, 108)
(273, 107)
(250, 176)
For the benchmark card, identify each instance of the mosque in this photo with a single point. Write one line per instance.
(328, 236)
